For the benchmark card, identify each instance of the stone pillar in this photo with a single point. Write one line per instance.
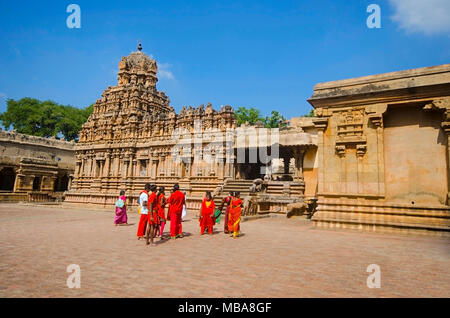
(82, 167)
(154, 168)
(220, 168)
(94, 168)
(446, 127)
(77, 167)
(286, 163)
(230, 168)
(213, 165)
(116, 166)
(51, 183)
(138, 168)
(298, 156)
(17, 181)
(167, 168)
(321, 124)
(162, 164)
(91, 166)
(130, 166)
(149, 168)
(102, 167)
(375, 115)
(87, 166)
(107, 164)
(69, 185)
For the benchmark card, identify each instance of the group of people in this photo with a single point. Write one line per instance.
(152, 208)
(152, 205)
(233, 211)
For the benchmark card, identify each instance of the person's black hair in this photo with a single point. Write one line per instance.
(122, 192)
(148, 186)
(176, 187)
(208, 194)
(237, 193)
(153, 187)
(231, 193)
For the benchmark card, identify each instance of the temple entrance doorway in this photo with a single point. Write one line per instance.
(249, 171)
(61, 183)
(37, 184)
(7, 179)
(252, 165)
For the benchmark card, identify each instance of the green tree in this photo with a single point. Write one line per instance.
(45, 119)
(311, 113)
(250, 115)
(72, 120)
(276, 120)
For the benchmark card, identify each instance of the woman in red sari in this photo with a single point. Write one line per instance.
(234, 218)
(161, 204)
(153, 220)
(227, 201)
(207, 219)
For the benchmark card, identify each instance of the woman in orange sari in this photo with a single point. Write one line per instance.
(207, 219)
(234, 218)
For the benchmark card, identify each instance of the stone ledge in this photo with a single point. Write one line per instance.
(374, 226)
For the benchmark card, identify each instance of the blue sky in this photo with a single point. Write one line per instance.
(263, 54)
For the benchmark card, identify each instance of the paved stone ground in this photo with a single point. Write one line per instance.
(275, 257)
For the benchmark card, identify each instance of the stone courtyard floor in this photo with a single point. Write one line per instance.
(275, 257)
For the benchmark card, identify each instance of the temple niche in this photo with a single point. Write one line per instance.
(134, 136)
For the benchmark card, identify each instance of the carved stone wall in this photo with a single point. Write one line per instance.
(134, 136)
(383, 151)
(34, 166)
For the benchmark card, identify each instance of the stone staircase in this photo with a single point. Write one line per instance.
(282, 188)
(243, 186)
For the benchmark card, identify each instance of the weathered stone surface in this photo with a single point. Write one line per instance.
(383, 151)
(34, 168)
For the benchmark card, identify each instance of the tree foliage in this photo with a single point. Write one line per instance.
(250, 115)
(253, 116)
(311, 113)
(276, 120)
(45, 119)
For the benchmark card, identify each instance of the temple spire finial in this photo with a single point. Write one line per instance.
(140, 47)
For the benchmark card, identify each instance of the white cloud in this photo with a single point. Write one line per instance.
(422, 16)
(3, 96)
(164, 72)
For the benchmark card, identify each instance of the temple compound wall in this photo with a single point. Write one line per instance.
(34, 168)
(383, 152)
(134, 137)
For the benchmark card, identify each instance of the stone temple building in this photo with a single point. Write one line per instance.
(34, 168)
(134, 136)
(383, 152)
(375, 157)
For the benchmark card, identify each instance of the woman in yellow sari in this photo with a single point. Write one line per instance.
(234, 218)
